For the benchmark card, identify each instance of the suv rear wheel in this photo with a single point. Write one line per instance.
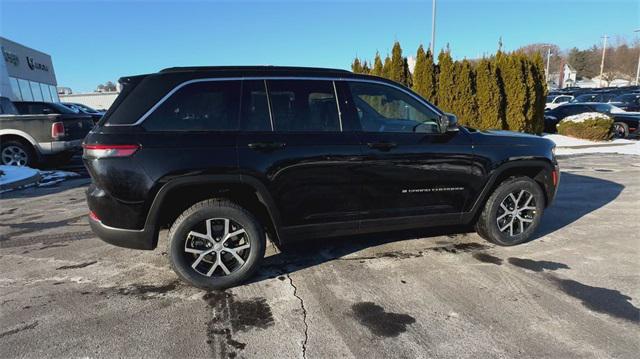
(512, 213)
(216, 244)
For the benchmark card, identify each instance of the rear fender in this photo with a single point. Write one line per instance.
(263, 195)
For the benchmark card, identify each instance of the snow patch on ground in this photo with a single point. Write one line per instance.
(10, 174)
(566, 145)
(50, 178)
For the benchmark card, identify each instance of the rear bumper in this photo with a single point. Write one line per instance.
(127, 238)
(50, 148)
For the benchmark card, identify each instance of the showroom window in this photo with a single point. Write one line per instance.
(54, 93)
(35, 90)
(46, 95)
(25, 90)
(15, 88)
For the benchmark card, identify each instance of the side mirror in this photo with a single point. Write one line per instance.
(448, 123)
(46, 111)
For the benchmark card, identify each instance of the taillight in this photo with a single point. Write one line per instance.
(554, 177)
(93, 216)
(106, 151)
(57, 129)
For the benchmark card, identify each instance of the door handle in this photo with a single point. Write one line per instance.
(266, 145)
(382, 146)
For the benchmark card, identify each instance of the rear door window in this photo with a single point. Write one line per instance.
(255, 107)
(200, 106)
(304, 106)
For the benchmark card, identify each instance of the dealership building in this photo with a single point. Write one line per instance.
(26, 74)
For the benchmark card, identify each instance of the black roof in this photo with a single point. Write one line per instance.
(292, 69)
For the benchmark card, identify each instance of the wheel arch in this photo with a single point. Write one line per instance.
(178, 194)
(537, 169)
(12, 134)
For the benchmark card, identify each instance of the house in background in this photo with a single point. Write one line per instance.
(565, 78)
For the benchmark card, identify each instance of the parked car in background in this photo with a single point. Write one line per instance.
(629, 102)
(625, 125)
(554, 101)
(594, 97)
(223, 155)
(35, 132)
(96, 115)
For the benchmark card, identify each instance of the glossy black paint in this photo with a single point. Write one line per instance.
(311, 184)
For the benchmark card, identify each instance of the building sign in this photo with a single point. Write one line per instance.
(10, 57)
(26, 63)
(34, 65)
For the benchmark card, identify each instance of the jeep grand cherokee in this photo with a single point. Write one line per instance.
(223, 156)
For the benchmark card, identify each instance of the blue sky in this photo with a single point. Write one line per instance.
(92, 42)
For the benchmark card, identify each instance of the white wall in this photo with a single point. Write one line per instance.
(97, 100)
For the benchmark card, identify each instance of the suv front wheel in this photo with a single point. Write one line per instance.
(512, 213)
(216, 244)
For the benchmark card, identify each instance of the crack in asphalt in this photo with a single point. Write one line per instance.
(304, 317)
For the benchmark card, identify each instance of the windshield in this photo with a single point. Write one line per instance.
(607, 108)
(62, 109)
(625, 98)
(550, 99)
(583, 98)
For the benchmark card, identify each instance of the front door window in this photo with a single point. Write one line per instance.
(382, 108)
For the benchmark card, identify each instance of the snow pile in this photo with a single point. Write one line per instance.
(13, 177)
(11, 174)
(586, 116)
(566, 145)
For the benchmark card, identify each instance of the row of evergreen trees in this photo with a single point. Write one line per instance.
(504, 91)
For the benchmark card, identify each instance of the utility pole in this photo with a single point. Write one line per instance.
(604, 50)
(433, 28)
(546, 77)
(638, 70)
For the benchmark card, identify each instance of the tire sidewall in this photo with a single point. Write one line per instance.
(178, 236)
(501, 193)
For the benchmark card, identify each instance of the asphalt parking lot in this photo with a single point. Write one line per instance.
(572, 292)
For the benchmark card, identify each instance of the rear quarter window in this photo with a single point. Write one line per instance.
(200, 106)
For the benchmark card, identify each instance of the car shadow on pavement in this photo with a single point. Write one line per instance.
(300, 255)
(577, 196)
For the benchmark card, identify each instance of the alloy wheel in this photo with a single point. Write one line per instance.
(516, 213)
(619, 130)
(14, 156)
(222, 250)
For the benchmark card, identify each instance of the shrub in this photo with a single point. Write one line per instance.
(589, 126)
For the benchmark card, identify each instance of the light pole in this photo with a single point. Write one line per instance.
(638, 70)
(433, 28)
(547, 70)
(604, 49)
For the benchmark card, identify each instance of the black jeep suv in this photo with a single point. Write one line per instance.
(224, 156)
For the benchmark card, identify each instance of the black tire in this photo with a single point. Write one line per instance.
(487, 225)
(17, 145)
(620, 130)
(197, 215)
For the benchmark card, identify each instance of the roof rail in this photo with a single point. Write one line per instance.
(250, 68)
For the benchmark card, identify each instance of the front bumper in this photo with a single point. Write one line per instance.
(127, 238)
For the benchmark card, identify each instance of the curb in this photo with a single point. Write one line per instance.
(21, 183)
(577, 147)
